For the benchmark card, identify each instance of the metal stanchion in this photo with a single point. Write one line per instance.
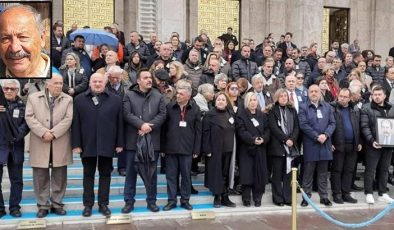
(294, 198)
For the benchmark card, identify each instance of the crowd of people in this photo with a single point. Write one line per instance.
(247, 115)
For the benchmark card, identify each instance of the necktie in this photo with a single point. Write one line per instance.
(291, 96)
(72, 79)
(261, 100)
(386, 140)
(392, 84)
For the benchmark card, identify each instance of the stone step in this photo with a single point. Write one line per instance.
(75, 202)
(77, 179)
(200, 202)
(116, 189)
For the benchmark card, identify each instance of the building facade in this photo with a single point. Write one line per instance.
(310, 21)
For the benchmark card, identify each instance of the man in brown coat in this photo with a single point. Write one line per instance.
(49, 115)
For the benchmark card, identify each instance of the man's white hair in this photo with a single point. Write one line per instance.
(36, 14)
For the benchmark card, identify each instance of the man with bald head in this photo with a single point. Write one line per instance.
(22, 36)
(317, 122)
(49, 115)
(97, 133)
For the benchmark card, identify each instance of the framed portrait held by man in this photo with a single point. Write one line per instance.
(385, 131)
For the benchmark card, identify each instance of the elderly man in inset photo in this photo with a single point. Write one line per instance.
(22, 39)
(386, 136)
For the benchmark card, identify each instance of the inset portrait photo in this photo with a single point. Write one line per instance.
(25, 39)
(385, 131)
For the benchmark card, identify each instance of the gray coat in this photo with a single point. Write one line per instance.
(139, 108)
(141, 48)
(195, 72)
(244, 68)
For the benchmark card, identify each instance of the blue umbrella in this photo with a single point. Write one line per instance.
(96, 37)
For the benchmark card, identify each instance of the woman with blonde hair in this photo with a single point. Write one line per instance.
(253, 135)
(74, 79)
(177, 72)
(176, 47)
(283, 123)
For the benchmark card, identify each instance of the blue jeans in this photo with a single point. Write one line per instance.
(131, 180)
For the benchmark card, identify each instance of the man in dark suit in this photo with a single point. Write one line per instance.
(97, 133)
(388, 82)
(286, 44)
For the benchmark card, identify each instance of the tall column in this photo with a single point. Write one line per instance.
(171, 17)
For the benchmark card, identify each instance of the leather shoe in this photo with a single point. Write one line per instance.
(187, 206)
(357, 188)
(128, 207)
(227, 202)
(304, 203)
(193, 190)
(338, 199)
(287, 203)
(246, 203)
(153, 208)
(16, 213)
(326, 202)
(257, 203)
(217, 201)
(348, 198)
(87, 211)
(170, 205)
(42, 213)
(103, 209)
(2, 213)
(58, 211)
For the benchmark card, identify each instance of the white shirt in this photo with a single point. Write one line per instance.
(295, 99)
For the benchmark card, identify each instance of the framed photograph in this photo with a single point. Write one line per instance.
(28, 54)
(385, 131)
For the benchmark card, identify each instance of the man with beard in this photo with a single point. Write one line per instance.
(317, 122)
(209, 75)
(244, 67)
(377, 157)
(144, 112)
(22, 36)
(78, 48)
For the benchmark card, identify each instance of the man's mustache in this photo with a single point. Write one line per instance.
(20, 54)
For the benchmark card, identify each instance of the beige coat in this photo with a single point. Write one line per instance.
(37, 118)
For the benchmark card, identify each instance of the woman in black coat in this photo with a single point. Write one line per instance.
(284, 128)
(218, 143)
(74, 79)
(253, 133)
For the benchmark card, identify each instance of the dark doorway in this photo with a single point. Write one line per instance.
(339, 25)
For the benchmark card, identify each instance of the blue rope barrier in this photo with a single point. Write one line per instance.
(347, 225)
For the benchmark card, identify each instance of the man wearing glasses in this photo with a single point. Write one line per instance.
(12, 150)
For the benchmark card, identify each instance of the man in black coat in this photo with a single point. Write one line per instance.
(118, 86)
(58, 44)
(377, 158)
(388, 82)
(346, 144)
(286, 44)
(12, 147)
(97, 133)
(182, 141)
(144, 111)
(229, 37)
